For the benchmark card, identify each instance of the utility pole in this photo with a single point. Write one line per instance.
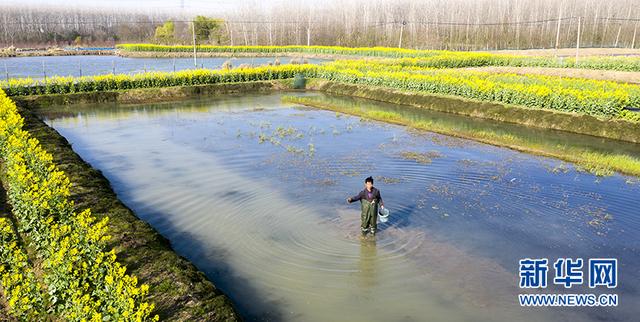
(226, 24)
(193, 31)
(633, 42)
(558, 30)
(578, 39)
(44, 72)
(309, 28)
(401, 31)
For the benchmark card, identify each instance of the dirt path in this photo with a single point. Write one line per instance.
(610, 75)
(572, 52)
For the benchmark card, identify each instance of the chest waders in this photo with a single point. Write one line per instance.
(369, 216)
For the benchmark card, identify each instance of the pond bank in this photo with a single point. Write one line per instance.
(204, 54)
(594, 161)
(179, 290)
(149, 95)
(602, 164)
(9, 52)
(546, 119)
(616, 129)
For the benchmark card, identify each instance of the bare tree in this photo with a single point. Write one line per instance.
(429, 24)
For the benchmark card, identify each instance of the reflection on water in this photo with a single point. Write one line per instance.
(252, 191)
(367, 263)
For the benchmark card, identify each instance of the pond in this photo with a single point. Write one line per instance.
(84, 65)
(252, 191)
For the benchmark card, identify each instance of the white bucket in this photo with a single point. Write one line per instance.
(383, 214)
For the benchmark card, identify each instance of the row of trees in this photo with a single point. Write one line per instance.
(49, 26)
(453, 24)
(205, 30)
(442, 24)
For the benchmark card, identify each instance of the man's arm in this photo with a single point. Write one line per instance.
(380, 199)
(355, 198)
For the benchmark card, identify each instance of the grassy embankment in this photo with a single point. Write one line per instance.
(72, 251)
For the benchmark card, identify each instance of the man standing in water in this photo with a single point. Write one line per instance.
(369, 200)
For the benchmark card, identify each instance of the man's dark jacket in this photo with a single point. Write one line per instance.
(375, 194)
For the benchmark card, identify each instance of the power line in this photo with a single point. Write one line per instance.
(149, 22)
(619, 19)
(489, 23)
(378, 24)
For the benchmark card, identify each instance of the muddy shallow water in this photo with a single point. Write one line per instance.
(253, 192)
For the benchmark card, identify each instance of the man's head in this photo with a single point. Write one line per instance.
(368, 183)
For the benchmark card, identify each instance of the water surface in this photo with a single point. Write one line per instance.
(84, 65)
(253, 192)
